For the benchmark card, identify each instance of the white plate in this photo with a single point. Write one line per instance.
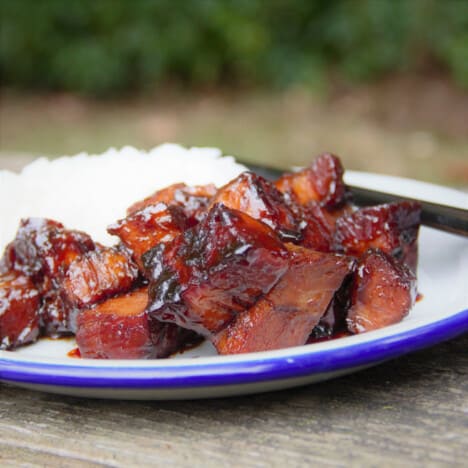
(440, 315)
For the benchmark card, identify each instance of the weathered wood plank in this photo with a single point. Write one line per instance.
(411, 411)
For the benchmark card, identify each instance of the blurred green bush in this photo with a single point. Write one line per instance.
(106, 46)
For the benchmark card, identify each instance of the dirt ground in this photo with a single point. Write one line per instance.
(409, 126)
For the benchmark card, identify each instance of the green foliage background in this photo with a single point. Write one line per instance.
(102, 47)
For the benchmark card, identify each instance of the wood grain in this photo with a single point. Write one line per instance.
(412, 411)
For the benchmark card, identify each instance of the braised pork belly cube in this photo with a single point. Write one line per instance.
(383, 292)
(322, 182)
(43, 247)
(214, 270)
(193, 200)
(143, 229)
(318, 224)
(99, 274)
(257, 197)
(392, 228)
(19, 310)
(329, 217)
(118, 328)
(43, 250)
(316, 233)
(287, 314)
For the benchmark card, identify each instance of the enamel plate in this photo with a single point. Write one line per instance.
(199, 373)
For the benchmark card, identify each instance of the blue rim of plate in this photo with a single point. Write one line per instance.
(253, 368)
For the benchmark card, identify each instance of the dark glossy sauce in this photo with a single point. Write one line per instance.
(189, 346)
(334, 336)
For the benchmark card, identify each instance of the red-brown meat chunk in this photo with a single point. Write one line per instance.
(328, 217)
(193, 200)
(43, 250)
(144, 229)
(392, 228)
(119, 329)
(316, 232)
(383, 293)
(19, 310)
(286, 316)
(99, 274)
(214, 271)
(44, 247)
(257, 197)
(116, 329)
(322, 182)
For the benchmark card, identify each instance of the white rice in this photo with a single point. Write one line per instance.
(89, 192)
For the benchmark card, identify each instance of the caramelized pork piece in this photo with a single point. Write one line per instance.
(322, 182)
(116, 329)
(143, 229)
(99, 274)
(383, 293)
(329, 217)
(392, 227)
(317, 224)
(19, 310)
(316, 233)
(43, 250)
(193, 200)
(287, 314)
(119, 329)
(44, 247)
(214, 270)
(257, 197)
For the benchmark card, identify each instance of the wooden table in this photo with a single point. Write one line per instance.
(412, 411)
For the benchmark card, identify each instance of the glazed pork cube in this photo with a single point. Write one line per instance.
(214, 270)
(116, 329)
(99, 274)
(144, 229)
(119, 329)
(43, 250)
(316, 233)
(322, 182)
(317, 224)
(383, 293)
(329, 217)
(43, 247)
(19, 310)
(392, 228)
(192, 200)
(257, 197)
(287, 314)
